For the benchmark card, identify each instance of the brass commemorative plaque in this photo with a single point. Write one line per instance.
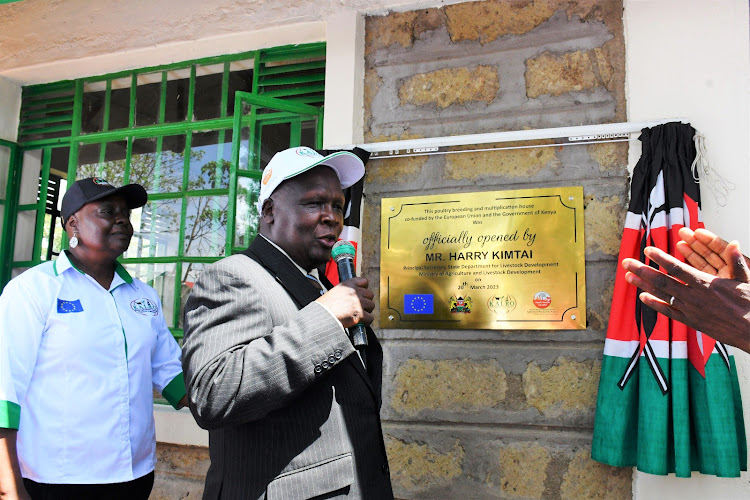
(500, 260)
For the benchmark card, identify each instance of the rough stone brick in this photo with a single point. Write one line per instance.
(586, 478)
(523, 470)
(394, 170)
(513, 163)
(487, 21)
(384, 31)
(569, 72)
(180, 472)
(611, 156)
(185, 461)
(372, 86)
(597, 317)
(451, 86)
(603, 220)
(176, 488)
(448, 385)
(567, 385)
(400, 28)
(417, 467)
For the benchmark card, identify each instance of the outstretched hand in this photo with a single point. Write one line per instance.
(350, 301)
(716, 305)
(707, 252)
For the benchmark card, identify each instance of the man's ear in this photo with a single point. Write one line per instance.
(266, 212)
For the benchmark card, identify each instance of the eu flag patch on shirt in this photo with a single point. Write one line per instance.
(418, 303)
(69, 306)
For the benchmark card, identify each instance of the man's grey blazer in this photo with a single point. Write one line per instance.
(290, 410)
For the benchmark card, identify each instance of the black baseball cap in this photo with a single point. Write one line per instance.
(95, 188)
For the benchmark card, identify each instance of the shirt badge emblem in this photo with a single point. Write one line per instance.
(145, 307)
(69, 306)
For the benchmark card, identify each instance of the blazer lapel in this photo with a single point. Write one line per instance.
(286, 273)
(303, 292)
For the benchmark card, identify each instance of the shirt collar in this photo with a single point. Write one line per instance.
(63, 263)
(312, 272)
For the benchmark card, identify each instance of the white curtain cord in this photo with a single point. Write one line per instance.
(703, 173)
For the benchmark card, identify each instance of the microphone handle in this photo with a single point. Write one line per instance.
(357, 333)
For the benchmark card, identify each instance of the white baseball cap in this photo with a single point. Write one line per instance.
(294, 161)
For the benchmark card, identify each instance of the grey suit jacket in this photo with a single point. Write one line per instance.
(290, 410)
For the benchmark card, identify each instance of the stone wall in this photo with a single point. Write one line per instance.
(180, 472)
(498, 414)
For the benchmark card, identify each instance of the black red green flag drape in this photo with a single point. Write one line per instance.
(352, 231)
(669, 397)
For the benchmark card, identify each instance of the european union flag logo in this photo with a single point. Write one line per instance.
(420, 303)
(69, 306)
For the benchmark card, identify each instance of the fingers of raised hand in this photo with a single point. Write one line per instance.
(662, 307)
(675, 268)
(656, 283)
(710, 240)
(701, 257)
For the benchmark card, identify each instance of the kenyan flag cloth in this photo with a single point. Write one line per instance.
(353, 205)
(669, 398)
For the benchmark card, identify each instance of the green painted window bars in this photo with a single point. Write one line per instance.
(196, 134)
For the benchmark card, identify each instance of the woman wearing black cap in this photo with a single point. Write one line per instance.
(82, 345)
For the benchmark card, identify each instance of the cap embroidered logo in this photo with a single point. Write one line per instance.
(267, 176)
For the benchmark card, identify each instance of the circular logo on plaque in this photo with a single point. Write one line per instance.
(542, 299)
(501, 304)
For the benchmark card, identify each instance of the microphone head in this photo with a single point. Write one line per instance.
(342, 250)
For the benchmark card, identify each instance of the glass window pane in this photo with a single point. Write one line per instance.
(178, 86)
(156, 229)
(208, 80)
(161, 278)
(190, 273)
(206, 226)
(88, 160)
(110, 166)
(147, 99)
(92, 112)
(24, 243)
(245, 160)
(32, 167)
(309, 133)
(119, 103)
(273, 138)
(158, 172)
(240, 79)
(210, 159)
(246, 217)
(4, 169)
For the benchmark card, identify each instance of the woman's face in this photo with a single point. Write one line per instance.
(103, 228)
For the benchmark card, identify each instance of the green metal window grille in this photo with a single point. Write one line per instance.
(196, 134)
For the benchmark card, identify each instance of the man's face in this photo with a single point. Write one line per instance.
(306, 216)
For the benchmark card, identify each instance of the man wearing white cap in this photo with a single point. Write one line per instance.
(270, 370)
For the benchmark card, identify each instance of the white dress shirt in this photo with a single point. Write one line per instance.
(78, 364)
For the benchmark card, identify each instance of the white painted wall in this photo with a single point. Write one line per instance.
(10, 108)
(691, 58)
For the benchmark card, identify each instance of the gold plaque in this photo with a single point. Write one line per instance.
(500, 260)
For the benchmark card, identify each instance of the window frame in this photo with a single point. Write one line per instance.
(272, 88)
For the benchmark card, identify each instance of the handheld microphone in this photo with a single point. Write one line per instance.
(343, 253)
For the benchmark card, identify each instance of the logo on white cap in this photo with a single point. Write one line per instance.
(303, 151)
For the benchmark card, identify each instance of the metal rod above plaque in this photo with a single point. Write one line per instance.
(500, 260)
